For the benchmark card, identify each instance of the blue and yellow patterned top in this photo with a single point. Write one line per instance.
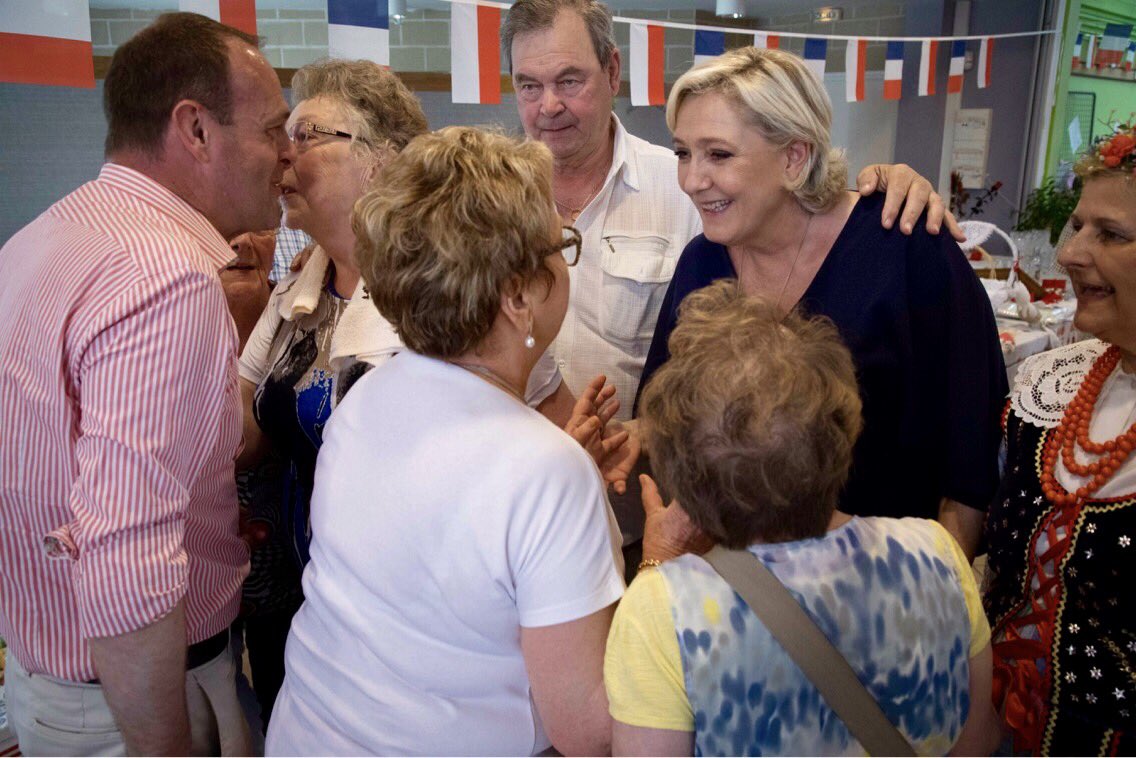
(895, 596)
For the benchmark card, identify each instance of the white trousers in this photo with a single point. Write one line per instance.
(57, 717)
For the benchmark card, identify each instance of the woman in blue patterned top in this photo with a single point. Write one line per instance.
(751, 426)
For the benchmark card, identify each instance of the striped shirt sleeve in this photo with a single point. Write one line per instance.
(152, 379)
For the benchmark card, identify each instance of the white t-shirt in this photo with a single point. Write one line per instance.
(446, 515)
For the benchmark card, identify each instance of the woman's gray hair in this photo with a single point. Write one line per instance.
(752, 422)
(786, 103)
(384, 113)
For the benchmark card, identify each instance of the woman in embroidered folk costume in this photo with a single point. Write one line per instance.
(751, 426)
(1062, 530)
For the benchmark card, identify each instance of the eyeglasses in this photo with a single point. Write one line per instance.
(301, 133)
(571, 239)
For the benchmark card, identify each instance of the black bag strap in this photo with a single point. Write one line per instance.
(806, 644)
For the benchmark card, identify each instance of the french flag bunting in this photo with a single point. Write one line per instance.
(1130, 56)
(855, 62)
(985, 62)
(708, 45)
(239, 14)
(893, 70)
(958, 59)
(1077, 50)
(1114, 44)
(647, 64)
(766, 41)
(1090, 60)
(929, 51)
(47, 43)
(475, 63)
(816, 53)
(358, 29)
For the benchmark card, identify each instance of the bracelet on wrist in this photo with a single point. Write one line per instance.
(649, 563)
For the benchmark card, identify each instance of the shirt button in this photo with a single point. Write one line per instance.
(562, 363)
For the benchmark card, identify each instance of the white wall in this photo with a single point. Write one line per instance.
(866, 129)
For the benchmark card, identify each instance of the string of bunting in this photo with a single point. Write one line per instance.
(50, 43)
(646, 61)
(1114, 51)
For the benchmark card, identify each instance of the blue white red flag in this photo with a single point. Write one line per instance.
(893, 71)
(816, 53)
(1114, 44)
(358, 29)
(708, 45)
(958, 60)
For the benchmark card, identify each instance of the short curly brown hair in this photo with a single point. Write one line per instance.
(752, 421)
(460, 215)
(385, 112)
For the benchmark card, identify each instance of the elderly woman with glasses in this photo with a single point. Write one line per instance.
(319, 333)
(350, 117)
(464, 558)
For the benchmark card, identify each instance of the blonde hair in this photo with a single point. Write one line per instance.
(461, 214)
(752, 421)
(385, 114)
(785, 102)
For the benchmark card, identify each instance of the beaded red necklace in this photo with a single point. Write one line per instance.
(1074, 430)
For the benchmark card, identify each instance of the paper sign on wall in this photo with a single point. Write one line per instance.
(971, 145)
(1075, 134)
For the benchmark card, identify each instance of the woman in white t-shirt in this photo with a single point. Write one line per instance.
(463, 567)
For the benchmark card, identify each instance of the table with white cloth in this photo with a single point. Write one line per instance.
(1021, 339)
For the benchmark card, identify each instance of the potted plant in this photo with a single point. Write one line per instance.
(1041, 221)
(1049, 207)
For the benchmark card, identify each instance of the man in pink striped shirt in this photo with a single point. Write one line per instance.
(120, 559)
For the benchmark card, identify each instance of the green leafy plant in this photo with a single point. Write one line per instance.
(1049, 207)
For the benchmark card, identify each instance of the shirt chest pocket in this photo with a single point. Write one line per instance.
(636, 272)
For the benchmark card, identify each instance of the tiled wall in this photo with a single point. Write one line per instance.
(875, 20)
(422, 41)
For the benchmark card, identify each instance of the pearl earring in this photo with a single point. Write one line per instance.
(530, 343)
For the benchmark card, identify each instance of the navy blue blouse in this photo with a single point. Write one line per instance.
(923, 338)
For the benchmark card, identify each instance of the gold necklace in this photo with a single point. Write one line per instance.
(490, 376)
(569, 212)
(796, 257)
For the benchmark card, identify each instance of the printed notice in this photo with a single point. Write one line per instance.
(972, 142)
(1075, 134)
